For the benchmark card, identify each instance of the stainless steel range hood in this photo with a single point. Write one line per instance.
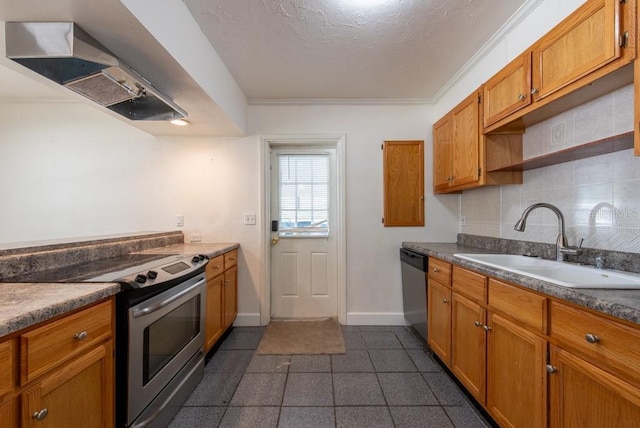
(66, 54)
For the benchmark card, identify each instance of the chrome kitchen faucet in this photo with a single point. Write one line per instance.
(562, 246)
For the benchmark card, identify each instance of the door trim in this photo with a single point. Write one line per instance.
(303, 140)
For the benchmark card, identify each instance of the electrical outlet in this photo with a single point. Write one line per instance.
(196, 237)
(179, 220)
(463, 220)
(249, 219)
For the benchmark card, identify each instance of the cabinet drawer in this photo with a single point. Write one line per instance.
(7, 366)
(470, 284)
(215, 267)
(518, 304)
(230, 259)
(47, 346)
(440, 271)
(613, 344)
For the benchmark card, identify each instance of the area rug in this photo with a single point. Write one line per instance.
(302, 337)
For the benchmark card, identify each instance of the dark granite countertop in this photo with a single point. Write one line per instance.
(624, 304)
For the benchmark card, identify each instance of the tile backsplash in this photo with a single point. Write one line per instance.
(599, 196)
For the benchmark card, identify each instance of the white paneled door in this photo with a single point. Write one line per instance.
(303, 234)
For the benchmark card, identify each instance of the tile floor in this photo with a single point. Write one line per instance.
(385, 379)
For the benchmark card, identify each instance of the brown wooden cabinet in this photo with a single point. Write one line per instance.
(439, 309)
(403, 166)
(222, 296)
(64, 375)
(516, 388)
(584, 42)
(583, 395)
(469, 346)
(508, 90)
(461, 150)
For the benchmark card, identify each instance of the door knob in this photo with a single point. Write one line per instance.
(274, 241)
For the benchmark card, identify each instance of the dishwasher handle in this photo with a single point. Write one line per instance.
(417, 260)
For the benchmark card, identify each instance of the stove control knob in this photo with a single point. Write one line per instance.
(141, 279)
(152, 274)
(202, 256)
(195, 259)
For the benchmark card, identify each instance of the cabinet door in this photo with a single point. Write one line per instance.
(584, 42)
(230, 296)
(509, 90)
(403, 183)
(469, 346)
(442, 154)
(9, 414)
(439, 320)
(516, 375)
(215, 311)
(466, 141)
(582, 395)
(79, 394)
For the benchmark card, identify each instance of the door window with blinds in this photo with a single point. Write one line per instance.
(304, 195)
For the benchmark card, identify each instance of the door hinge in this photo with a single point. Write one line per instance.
(479, 172)
(623, 1)
(479, 98)
(382, 146)
(624, 40)
(382, 220)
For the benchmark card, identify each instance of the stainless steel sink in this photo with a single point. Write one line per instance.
(561, 273)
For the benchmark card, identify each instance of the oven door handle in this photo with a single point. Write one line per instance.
(140, 312)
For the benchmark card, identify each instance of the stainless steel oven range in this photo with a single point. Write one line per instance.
(159, 339)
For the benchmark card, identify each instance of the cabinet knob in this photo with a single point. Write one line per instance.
(445, 301)
(591, 338)
(551, 369)
(486, 328)
(478, 324)
(232, 258)
(81, 335)
(40, 414)
(522, 97)
(218, 267)
(226, 282)
(534, 91)
(436, 270)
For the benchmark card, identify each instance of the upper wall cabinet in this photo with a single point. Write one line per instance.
(403, 167)
(460, 149)
(584, 42)
(509, 90)
(570, 65)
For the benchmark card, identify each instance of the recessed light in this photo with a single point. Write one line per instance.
(180, 122)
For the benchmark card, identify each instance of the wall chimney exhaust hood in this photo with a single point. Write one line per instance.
(66, 54)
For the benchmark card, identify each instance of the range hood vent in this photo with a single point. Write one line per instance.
(66, 54)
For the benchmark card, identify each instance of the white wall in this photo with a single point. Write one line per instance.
(374, 292)
(67, 170)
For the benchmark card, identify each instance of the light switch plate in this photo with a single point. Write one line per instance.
(179, 220)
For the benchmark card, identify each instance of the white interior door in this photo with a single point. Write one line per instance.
(303, 245)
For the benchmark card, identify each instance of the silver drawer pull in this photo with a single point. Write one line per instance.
(81, 335)
(232, 258)
(591, 338)
(40, 415)
(217, 266)
(486, 328)
(551, 369)
(226, 282)
(522, 97)
(445, 301)
(478, 324)
(436, 270)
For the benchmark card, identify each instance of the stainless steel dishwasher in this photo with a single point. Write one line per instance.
(414, 290)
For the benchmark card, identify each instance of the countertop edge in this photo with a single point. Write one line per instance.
(45, 312)
(604, 301)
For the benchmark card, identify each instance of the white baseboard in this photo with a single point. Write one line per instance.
(375, 318)
(247, 320)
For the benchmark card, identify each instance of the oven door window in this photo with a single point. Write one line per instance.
(167, 336)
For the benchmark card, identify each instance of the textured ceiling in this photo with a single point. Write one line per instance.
(347, 49)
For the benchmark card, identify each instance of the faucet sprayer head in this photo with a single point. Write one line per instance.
(520, 225)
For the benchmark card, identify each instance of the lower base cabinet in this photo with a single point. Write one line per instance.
(222, 296)
(517, 387)
(583, 395)
(60, 373)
